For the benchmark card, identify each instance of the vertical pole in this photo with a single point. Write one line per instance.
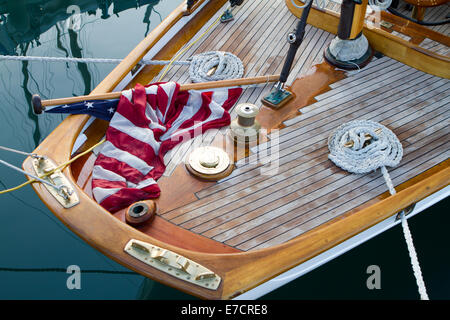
(346, 19)
(359, 15)
(418, 13)
(350, 49)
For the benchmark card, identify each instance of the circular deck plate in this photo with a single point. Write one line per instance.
(210, 163)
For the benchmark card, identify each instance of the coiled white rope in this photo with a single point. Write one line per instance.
(228, 66)
(350, 150)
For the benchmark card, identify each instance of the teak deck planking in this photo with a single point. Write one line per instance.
(252, 211)
(261, 51)
(244, 207)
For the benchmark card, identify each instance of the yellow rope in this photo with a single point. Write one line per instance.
(187, 48)
(60, 167)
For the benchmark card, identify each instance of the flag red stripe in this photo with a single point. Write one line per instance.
(131, 145)
(170, 105)
(121, 168)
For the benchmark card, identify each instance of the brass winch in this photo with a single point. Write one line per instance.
(245, 128)
(209, 163)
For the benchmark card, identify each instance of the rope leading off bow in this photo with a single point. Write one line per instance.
(362, 157)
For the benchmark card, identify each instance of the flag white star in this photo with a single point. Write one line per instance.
(89, 105)
(111, 110)
(65, 106)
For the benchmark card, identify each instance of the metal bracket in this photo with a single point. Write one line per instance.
(64, 192)
(277, 97)
(172, 263)
(405, 211)
(386, 24)
(226, 16)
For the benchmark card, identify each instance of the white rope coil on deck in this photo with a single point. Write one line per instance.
(373, 146)
(384, 149)
(228, 66)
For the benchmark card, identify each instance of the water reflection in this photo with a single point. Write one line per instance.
(108, 29)
(23, 21)
(43, 28)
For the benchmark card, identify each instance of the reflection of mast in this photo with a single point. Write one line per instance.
(24, 21)
(31, 115)
(148, 13)
(59, 44)
(76, 52)
(104, 6)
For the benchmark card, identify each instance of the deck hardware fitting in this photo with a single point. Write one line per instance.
(58, 185)
(405, 211)
(279, 96)
(386, 24)
(140, 212)
(226, 16)
(210, 163)
(173, 264)
(245, 128)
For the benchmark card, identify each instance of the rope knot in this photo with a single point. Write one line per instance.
(362, 146)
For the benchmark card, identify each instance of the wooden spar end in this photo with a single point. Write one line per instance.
(36, 102)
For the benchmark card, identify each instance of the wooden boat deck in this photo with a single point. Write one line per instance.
(250, 36)
(249, 210)
(307, 198)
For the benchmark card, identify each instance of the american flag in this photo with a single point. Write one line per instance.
(145, 124)
(102, 109)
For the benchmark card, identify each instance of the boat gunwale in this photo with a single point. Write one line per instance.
(239, 271)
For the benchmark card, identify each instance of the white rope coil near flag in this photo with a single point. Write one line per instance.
(361, 157)
(228, 66)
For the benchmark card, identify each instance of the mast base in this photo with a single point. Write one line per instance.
(349, 54)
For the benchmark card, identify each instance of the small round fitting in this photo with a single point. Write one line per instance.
(140, 212)
(291, 38)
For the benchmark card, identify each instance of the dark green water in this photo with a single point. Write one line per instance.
(31, 237)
